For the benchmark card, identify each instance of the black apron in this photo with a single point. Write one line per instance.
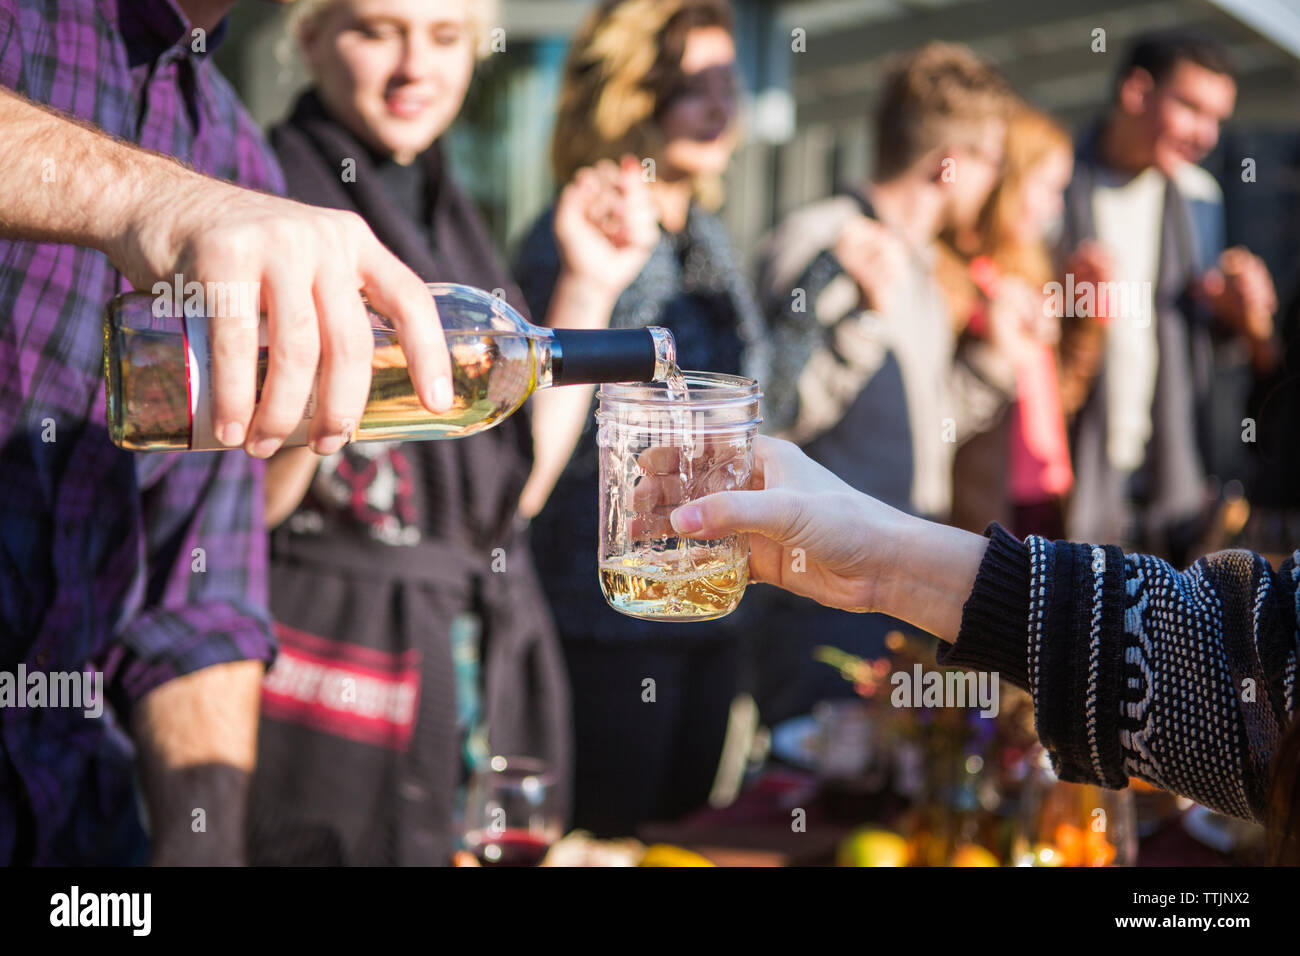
(359, 750)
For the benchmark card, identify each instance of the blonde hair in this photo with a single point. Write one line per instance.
(938, 95)
(620, 73)
(484, 15)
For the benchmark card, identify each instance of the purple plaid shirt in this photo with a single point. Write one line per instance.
(99, 564)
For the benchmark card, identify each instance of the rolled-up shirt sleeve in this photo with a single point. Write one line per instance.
(205, 600)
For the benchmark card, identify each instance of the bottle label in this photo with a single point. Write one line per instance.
(198, 370)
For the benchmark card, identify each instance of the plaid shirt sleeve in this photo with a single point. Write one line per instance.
(206, 559)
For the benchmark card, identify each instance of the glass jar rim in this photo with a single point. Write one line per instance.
(704, 390)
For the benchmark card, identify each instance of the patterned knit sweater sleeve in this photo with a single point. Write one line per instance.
(1183, 679)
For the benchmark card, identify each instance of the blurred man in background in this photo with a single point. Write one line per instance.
(1143, 437)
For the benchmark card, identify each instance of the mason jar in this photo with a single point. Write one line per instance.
(662, 446)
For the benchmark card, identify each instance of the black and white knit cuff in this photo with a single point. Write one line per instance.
(995, 618)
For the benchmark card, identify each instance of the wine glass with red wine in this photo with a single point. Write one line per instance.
(510, 813)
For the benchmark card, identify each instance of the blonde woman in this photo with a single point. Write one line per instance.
(651, 85)
(397, 640)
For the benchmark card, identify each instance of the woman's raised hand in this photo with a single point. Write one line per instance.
(606, 224)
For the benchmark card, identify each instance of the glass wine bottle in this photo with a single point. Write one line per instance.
(158, 368)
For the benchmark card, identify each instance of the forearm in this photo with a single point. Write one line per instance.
(1263, 352)
(558, 418)
(289, 474)
(578, 303)
(197, 742)
(931, 571)
(68, 182)
(560, 414)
